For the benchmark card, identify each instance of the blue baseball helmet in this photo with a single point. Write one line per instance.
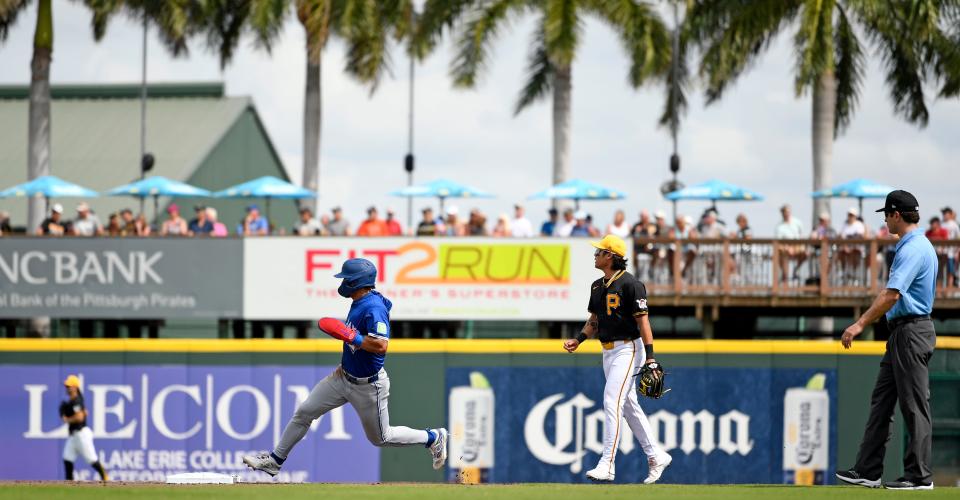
(356, 274)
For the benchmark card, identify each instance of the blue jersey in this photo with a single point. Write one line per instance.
(370, 316)
(914, 275)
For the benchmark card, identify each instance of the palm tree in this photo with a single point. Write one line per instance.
(365, 25)
(553, 48)
(909, 38)
(38, 136)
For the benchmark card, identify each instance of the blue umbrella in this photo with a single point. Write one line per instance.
(576, 190)
(48, 186)
(266, 187)
(857, 188)
(157, 186)
(714, 190)
(442, 189)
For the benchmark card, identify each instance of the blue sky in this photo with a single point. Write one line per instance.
(758, 136)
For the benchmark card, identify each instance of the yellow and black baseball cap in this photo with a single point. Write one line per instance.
(611, 243)
(72, 381)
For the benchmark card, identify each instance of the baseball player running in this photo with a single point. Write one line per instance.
(618, 317)
(359, 380)
(80, 442)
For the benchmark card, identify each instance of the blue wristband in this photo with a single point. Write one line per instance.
(358, 340)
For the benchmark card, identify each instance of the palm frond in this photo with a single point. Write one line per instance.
(315, 17)
(813, 44)
(9, 10)
(363, 26)
(896, 32)
(848, 71)
(266, 21)
(437, 16)
(732, 34)
(643, 35)
(479, 31)
(539, 72)
(562, 27)
(102, 11)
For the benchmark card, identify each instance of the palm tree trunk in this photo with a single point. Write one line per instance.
(311, 130)
(38, 152)
(824, 106)
(38, 148)
(562, 86)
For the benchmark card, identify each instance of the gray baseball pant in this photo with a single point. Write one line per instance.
(905, 379)
(370, 402)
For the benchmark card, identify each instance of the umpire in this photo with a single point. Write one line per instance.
(907, 302)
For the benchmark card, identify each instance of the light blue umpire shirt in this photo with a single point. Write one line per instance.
(914, 275)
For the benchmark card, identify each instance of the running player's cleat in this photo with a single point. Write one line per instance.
(439, 448)
(262, 462)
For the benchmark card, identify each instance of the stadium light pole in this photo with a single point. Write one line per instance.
(143, 106)
(674, 92)
(408, 161)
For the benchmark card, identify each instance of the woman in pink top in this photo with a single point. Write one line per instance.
(219, 228)
(175, 225)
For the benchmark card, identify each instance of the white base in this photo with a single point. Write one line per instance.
(201, 478)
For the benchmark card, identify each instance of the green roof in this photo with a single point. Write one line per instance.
(119, 91)
(96, 137)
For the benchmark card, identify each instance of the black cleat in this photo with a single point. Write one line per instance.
(853, 477)
(903, 484)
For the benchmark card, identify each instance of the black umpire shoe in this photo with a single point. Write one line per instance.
(853, 477)
(903, 484)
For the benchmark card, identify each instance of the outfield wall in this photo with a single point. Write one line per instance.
(530, 412)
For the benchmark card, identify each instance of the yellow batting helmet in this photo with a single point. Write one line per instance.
(72, 381)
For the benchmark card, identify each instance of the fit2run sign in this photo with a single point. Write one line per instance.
(426, 278)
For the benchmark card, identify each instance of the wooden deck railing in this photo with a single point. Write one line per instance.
(780, 268)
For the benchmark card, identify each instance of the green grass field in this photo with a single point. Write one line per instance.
(458, 492)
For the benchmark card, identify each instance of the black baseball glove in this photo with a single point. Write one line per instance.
(650, 381)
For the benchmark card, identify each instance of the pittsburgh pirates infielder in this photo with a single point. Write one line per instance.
(80, 443)
(618, 316)
(359, 380)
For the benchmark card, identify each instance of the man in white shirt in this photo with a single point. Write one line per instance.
(520, 226)
(86, 224)
(790, 229)
(566, 227)
(850, 255)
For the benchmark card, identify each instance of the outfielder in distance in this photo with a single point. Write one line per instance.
(618, 318)
(359, 380)
(80, 443)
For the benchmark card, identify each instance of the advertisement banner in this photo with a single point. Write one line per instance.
(120, 278)
(152, 420)
(721, 425)
(806, 436)
(472, 430)
(426, 278)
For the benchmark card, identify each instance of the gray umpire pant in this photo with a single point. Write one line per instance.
(368, 399)
(903, 377)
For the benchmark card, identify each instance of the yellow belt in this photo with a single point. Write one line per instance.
(612, 344)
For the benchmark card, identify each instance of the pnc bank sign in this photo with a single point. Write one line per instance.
(422, 263)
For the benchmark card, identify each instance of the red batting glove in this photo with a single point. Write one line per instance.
(336, 329)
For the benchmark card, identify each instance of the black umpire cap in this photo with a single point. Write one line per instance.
(900, 201)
